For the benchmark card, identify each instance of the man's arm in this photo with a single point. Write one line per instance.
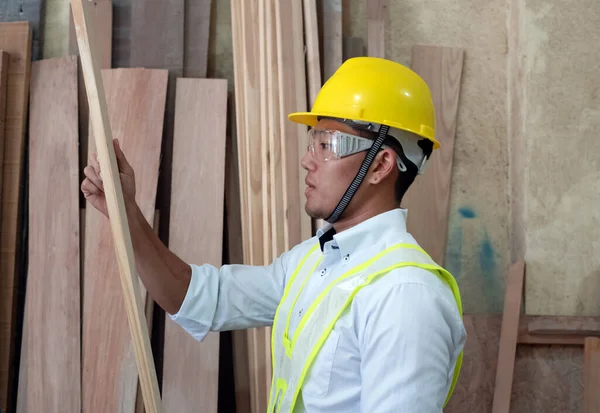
(410, 339)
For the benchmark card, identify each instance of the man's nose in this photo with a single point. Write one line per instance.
(308, 161)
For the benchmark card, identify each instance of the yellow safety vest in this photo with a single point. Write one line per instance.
(291, 363)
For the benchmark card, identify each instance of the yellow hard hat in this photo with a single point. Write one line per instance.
(375, 90)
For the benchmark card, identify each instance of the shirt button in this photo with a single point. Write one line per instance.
(300, 313)
(347, 257)
(323, 271)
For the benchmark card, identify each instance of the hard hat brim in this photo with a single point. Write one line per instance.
(311, 119)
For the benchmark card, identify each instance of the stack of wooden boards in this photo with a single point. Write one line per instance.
(76, 353)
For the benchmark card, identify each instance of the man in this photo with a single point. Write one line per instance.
(363, 320)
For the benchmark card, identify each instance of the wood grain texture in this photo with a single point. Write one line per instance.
(191, 369)
(52, 308)
(3, 93)
(157, 42)
(428, 198)
(56, 28)
(591, 375)
(313, 62)
(136, 101)
(196, 36)
(377, 12)
(101, 20)
(25, 10)
(508, 338)
(15, 39)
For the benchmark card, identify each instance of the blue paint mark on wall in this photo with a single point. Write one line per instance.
(467, 212)
(489, 272)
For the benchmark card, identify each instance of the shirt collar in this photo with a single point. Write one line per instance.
(365, 234)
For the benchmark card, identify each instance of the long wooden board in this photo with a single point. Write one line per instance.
(15, 39)
(136, 101)
(157, 42)
(591, 375)
(196, 36)
(116, 207)
(25, 10)
(3, 93)
(191, 369)
(428, 199)
(332, 37)
(52, 308)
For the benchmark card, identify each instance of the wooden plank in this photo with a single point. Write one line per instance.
(196, 36)
(52, 308)
(101, 19)
(313, 63)
(56, 28)
(558, 330)
(191, 370)
(15, 39)
(332, 37)
(428, 198)
(3, 93)
(135, 99)
(25, 10)
(508, 338)
(591, 375)
(377, 11)
(157, 42)
(116, 208)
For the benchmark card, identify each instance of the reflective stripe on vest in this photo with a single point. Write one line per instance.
(291, 363)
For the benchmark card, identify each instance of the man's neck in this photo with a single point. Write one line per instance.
(347, 222)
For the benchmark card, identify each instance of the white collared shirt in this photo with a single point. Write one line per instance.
(393, 350)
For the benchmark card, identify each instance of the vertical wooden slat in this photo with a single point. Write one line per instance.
(591, 375)
(313, 62)
(135, 101)
(428, 199)
(191, 369)
(377, 11)
(332, 37)
(508, 338)
(15, 39)
(3, 93)
(53, 289)
(196, 36)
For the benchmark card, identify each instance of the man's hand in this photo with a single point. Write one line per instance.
(93, 188)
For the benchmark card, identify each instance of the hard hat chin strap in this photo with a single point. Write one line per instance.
(362, 172)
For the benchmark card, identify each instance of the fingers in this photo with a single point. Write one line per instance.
(93, 176)
(122, 162)
(89, 188)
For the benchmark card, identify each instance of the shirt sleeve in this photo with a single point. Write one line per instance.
(411, 337)
(231, 297)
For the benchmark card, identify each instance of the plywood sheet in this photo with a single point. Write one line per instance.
(136, 101)
(15, 39)
(52, 309)
(191, 369)
(25, 10)
(428, 199)
(196, 36)
(157, 42)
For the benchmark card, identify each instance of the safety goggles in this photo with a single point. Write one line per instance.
(328, 145)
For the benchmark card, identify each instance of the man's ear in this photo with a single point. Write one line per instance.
(383, 165)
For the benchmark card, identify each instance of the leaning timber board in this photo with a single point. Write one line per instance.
(52, 304)
(136, 101)
(3, 92)
(157, 42)
(25, 10)
(428, 199)
(15, 39)
(191, 369)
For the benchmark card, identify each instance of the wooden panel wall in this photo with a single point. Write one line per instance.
(428, 199)
(52, 347)
(136, 101)
(191, 369)
(15, 39)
